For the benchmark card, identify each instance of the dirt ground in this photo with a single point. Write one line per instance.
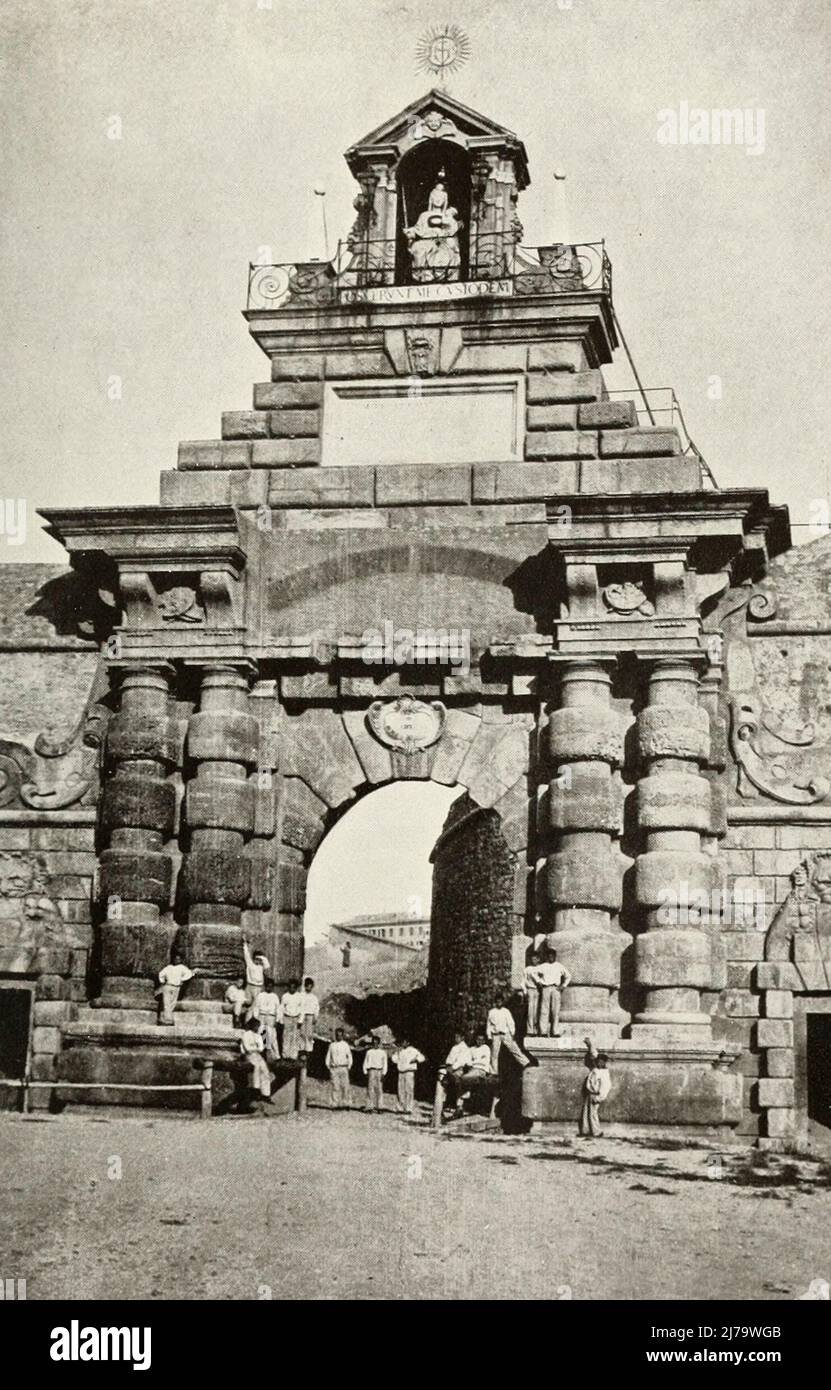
(356, 1206)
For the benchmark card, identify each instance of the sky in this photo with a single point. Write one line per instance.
(152, 148)
(124, 260)
(377, 857)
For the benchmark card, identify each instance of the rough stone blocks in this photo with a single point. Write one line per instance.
(577, 880)
(296, 366)
(521, 482)
(214, 453)
(607, 415)
(615, 475)
(552, 417)
(281, 453)
(674, 731)
(664, 876)
(778, 1003)
(287, 395)
(674, 958)
(774, 1032)
(323, 487)
(779, 1062)
(397, 485)
(544, 388)
(585, 732)
(560, 444)
(775, 1093)
(642, 443)
(673, 801)
(244, 424)
(781, 1124)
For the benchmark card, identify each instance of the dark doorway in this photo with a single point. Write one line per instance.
(15, 1011)
(418, 173)
(819, 1068)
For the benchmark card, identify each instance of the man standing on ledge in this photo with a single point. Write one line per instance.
(553, 979)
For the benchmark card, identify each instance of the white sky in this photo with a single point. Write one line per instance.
(129, 257)
(376, 858)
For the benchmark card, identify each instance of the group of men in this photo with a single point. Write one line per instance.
(275, 1026)
(406, 1059)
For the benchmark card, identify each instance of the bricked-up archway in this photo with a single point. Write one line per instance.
(330, 758)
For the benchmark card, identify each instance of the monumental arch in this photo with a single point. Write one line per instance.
(434, 548)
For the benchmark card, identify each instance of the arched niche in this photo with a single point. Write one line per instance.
(419, 170)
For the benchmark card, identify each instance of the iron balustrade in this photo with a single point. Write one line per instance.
(581, 268)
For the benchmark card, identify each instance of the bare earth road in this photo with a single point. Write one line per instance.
(353, 1206)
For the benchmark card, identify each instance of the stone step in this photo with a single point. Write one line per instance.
(130, 1019)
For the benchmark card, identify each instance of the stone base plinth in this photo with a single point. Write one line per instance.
(130, 1047)
(682, 1084)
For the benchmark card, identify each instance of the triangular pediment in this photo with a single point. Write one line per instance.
(468, 121)
(439, 115)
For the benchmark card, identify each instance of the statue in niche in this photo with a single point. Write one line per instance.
(433, 240)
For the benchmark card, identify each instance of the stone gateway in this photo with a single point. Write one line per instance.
(640, 722)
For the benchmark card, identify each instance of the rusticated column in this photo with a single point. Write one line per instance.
(137, 817)
(222, 741)
(583, 874)
(675, 879)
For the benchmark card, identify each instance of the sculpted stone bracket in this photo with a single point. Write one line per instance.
(771, 759)
(57, 772)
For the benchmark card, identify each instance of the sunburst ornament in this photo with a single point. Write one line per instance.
(442, 51)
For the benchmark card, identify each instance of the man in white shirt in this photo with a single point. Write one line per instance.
(251, 1046)
(531, 990)
(292, 1005)
(338, 1065)
(375, 1069)
(236, 996)
(501, 1032)
(268, 1011)
(407, 1059)
(311, 1009)
(553, 978)
(256, 965)
(456, 1066)
(171, 979)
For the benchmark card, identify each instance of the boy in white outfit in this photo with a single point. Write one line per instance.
(171, 979)
(501, 1032)
(407, 1059)
(268, 1012)
(311, 1009)
(292, 1006)
(531, 990)
(596, 1088)
(236, 996)
(256, 965)
(338, 1065)
(375, 1069)
(251, 1046)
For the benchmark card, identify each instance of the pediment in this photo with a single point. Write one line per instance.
(439, 116)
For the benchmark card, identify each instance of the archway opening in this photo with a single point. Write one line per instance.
(366, 926)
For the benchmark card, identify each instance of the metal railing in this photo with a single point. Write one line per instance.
(659, 405)
(363, 265)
